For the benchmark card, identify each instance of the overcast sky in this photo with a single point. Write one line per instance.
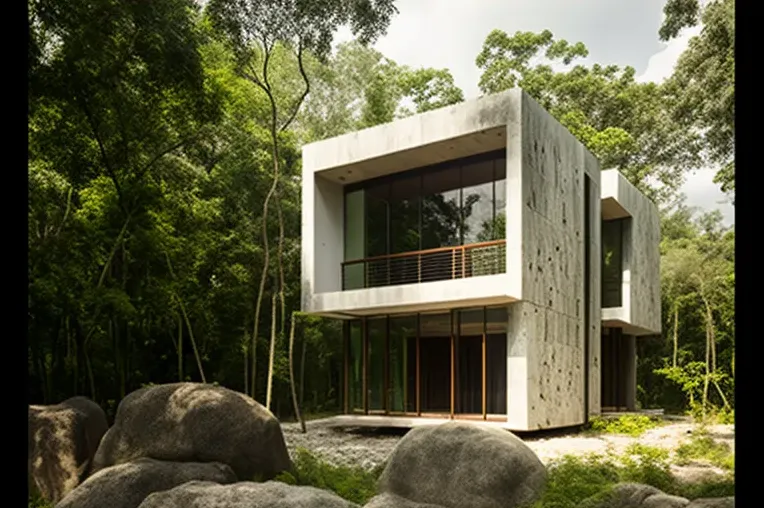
(450, 33)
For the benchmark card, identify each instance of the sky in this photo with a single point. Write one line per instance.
(450, 33)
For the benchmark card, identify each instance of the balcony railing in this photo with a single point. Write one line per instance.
(445, 263)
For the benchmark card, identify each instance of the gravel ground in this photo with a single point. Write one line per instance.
(368, 448)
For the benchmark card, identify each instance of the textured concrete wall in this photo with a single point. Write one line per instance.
(641, 274)
(548, 326)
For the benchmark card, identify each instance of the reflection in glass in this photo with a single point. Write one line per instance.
(377, 329)
(402, 394)
(355, 367)
(355, 243)
(435, 363)
(441, 201)
(612, 262)
(477, 201)
(404, 228)
(469, 362)
(497, 320)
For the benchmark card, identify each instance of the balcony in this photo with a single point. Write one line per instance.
(445, 263)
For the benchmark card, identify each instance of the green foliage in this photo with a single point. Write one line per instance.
(704, 447)
(582, 481)
(704, 79)
(630, 425)
(35, 501)
(352, 483)
(626, 124)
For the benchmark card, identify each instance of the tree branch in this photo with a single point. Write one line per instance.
(298, 103)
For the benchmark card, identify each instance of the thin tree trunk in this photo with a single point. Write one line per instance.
(291, 375)
(676, 334)
(180, 348)
(188, 323)
(272, 352)
(302, 371)
(191, 337)
(245, 354)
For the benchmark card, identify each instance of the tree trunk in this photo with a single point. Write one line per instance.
(302, 371)
(271, 353)
(180, 348)
(191, 338)
(676, 334)
(297, 413)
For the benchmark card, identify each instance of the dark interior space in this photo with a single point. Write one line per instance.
(435, 372)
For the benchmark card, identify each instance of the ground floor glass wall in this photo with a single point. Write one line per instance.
(445, 363)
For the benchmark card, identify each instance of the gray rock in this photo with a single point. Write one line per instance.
(393, 501)
(195, 422)
(245, 495)
(127, 485)
(713, 502)
(62, 441)
(635, 495)
(457, 464)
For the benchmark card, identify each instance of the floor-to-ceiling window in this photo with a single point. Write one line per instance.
(612, 262)
(407, 222)
(437, 363)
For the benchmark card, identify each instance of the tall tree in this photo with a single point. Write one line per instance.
(625, 123)
(704, 79)
(255, 29)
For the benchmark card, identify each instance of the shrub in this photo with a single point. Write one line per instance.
(35, 501)
(352, 483)
(705, 448)
(630, 425)
(578, 482)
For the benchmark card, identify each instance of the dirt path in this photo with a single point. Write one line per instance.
(355, 447)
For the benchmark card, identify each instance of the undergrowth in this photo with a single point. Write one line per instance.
(35, 501)
(574, 480)
(630, 425)
(351, 483)
(702, 447)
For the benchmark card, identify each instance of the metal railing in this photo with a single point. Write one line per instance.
(445, 263)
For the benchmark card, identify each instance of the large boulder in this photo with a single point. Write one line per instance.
(62, 441)
(393, 501)
(245, 495)
(457, 464)
(713, 502)
(635, 495)
(127, 485)
(196, 422)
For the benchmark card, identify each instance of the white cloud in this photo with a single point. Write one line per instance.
(450, 33)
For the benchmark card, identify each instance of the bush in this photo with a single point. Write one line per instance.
(577, 482)
(352, 483)
(630, 425)
(35, 501)
(704, 448)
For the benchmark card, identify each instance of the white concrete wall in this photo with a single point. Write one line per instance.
(548, 327)
(641, 301)
(470, 128)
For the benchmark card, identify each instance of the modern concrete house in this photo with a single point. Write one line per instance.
(484, 266)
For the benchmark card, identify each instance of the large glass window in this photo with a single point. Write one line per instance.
(377, 330)
(355, 366)
(402, 393)
(355, 239)
(612, 262)
(497, 320)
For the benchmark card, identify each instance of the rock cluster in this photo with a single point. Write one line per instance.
(202, 446)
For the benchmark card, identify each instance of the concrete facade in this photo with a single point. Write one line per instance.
(556, 196)
(640, 311)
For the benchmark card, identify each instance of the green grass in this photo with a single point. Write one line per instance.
(574, 481)
(352, 483)
(577, 482)
(702, 447)
(629, 425)
(35, 501)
